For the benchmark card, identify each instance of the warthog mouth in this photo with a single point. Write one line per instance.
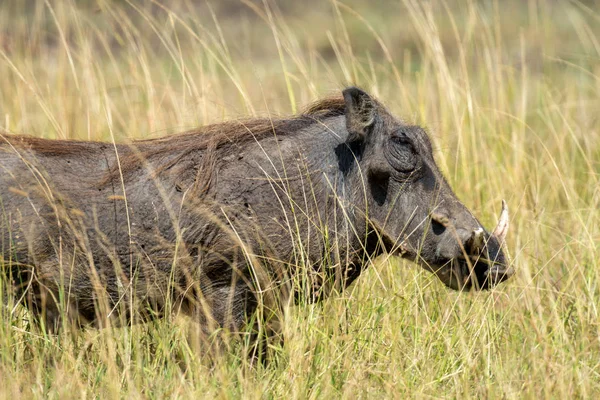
(464, 273)
(474, 272)
(482, 264)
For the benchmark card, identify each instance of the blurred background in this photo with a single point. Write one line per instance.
(247, 56)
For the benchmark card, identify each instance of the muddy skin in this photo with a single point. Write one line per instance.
(229, 218)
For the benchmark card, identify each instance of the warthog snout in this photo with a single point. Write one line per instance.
(472, 258)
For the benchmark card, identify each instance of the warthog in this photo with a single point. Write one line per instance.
(219, 220)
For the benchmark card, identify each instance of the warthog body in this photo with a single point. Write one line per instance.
(215, 221)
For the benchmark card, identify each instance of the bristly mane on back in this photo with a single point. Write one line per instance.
(210, 137)
(215, 136)
(249, 129)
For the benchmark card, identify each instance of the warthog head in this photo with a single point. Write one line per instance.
(411, 208)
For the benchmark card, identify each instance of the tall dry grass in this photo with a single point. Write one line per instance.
(510, 93)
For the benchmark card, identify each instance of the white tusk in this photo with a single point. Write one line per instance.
(502, 227)
(478, 239)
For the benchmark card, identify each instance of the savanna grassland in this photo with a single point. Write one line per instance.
(510, 93)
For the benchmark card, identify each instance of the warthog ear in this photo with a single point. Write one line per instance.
(360, 113)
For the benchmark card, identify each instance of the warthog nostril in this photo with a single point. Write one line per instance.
(439, 223)
(437, 228)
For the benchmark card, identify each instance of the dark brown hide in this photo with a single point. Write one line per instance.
(219, 220)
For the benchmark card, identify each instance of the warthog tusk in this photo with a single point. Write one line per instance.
(502, 227)
(478, 238)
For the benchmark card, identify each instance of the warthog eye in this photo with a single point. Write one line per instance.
(402, 154)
